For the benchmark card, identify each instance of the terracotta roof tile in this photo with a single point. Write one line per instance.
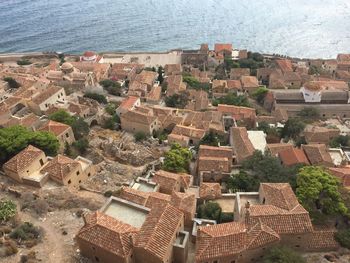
(209, 191)
(56, 128)
(280, 195)
(318, 154)
(293, 156)
(242, 146)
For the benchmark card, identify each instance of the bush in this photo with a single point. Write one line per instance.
(283, 255)
(177, 160)
(260, 94)
(26, 231)
(112, 87)
(210, 210)
(140, 136)
(110, 108)
(81, 145)
(232, 99)
(95, 96)
(23, 62)
(8, 210)
(343, 237)
(13, 84)
(177, 100)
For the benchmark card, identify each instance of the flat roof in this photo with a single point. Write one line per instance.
(126, 211)
(144, 186)
(227, 203)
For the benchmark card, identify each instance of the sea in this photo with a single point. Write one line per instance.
(299, 28)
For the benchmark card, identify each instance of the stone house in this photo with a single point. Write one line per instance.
(242, 146)
(63, 133)
(317, 154)
(237, 73)
(136, 121)
(172, 69)
(128, 104)
(249, 83)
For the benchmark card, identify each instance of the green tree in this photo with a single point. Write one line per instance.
(243, 182)
(341, 140)
(111, 86)
(193, 83)
(282, 255)
(13, 84)
(8, 209)
(177, 100)
(293, 128)
(81, 145)
(229, 64)
(15, 138)
(260, 94)
(343, 237)
(211, 139)
(210, 210)
(24, 62)
(309, 113)
(95, 96)
(62, 116)
(140, 136)
(110, 108)
(317, 190)
(232, 99)
(160, 75)
(177, 159)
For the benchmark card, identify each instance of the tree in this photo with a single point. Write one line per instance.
(15, 138)
(343, 237)
(13, 84)
(210, 210)
(24, 62)
(193, 83)
(211, 139)
(293, 128)
(317, 190)
(62, 116)
(110, 108)
(232, 99)
(140, 136)
(177, 159)
(260, 94)
(282, 255)
(341, 140)
(229, 64)
(160, 75)
(8, 209)
(243, 182)
(177, 100)
(111, 86)
(81, 145)
(95, 96)
(309, 113)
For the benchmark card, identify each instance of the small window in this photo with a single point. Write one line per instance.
(297, 246)
(97, 259)
(69, 181)
(79, 181)
(78, 172)
(41, 162)
(89, 174)
(67, 135)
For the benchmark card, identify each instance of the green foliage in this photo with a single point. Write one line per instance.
(317, 190)
(250, 63)
(26, 231)
(79, 126)
(282, 255)
(112, 122)
(177, 100)
(243, 182)
(193, 83)
(309, 113)
(211, 139)
(256, 56)
(8, 209)
(341, 140)
(24, 62)
(266, 168)
(81, 145)
(260, 94)
(160, 75)
(63, 117)
(140, 136)
(111, 86)
(343, 237)
(230, 63)
(293, 128)
(15, 138)
(95, 96)
(273, 134)
(13, 84)
(232, 99)
(210, 210)
(178, 159)
(110, 108)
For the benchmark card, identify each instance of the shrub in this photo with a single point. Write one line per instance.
(210, 210)
(23, 62)
(25, 231)
(283, 254)
(13, 84)
(81, 145)
(178, 159)
(140, 136)
(95, 96)
(8, 210)
(343, 237)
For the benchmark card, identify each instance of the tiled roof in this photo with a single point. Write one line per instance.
(239, 113)
(135, 196)
(60, 167)
(213, 151)
(46, 94)
(242, 146)
(186, 202)
(23, 159)
(285, 65)
(221, 164)
(236, 73)
(280, 195)
(190, 132)
(259, 235)
(343, 173)
(322, 239)
(138, 117)
(56, 128)
(166, 180)
(293, 156)
(106, 232)
(249, 82)
(221, 240)
(318, 154)
(128, 103)
(222, 47)
(209, 191)
(234, 84)
(158, 232)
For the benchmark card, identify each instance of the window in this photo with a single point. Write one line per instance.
(79, 181)
(89, 174)
(97, 259)
(78, 172)
(41, 162)
(67, 135)
(69, 181)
